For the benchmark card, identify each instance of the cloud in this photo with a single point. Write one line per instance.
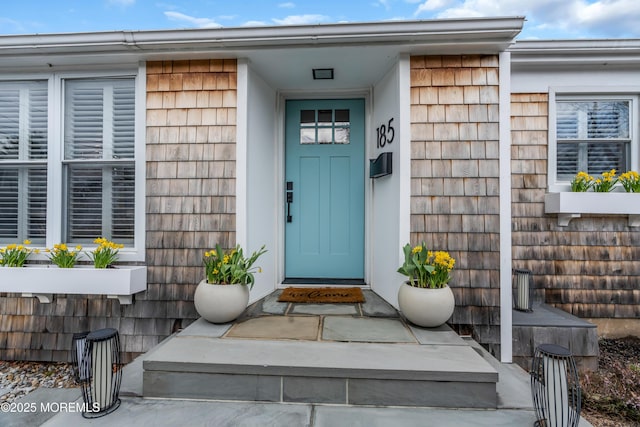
(301, 19)
(287, 5)
(195, 22)
(255, 24)
(122, 2)
(617, 18)
(431, 5)
(384, 3)
(605, 18)
(7, 22)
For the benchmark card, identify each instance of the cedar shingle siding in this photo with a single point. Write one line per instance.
(190, 205)
(588, 268)
(454, 170)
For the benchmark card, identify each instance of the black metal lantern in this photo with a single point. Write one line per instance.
(522, 290)
(555, 387)
(101, 363)
(77, 351)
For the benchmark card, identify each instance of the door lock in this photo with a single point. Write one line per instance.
(289, 200)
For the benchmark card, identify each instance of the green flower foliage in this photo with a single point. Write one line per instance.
(426, 269)
(232, 267)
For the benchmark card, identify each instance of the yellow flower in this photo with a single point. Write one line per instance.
(417, 249)
(27, 242)
(583, 176)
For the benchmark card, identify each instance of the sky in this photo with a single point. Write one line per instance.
(545, 19)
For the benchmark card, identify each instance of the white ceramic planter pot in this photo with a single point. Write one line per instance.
(220, 303)
(424, 306)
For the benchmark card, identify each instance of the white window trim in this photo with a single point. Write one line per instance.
(55, 153)
(631, 93)
(559, 199)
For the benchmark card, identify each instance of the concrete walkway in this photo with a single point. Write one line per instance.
(514, 398)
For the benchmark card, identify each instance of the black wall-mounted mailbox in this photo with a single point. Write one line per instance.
(381, 166)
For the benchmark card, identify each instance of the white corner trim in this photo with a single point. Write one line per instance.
(242, 103)
(140, 162)
(506, 321)
(404, 83)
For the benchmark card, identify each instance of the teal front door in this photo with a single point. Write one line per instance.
(324, 189)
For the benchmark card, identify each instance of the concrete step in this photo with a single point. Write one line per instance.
(196, 366)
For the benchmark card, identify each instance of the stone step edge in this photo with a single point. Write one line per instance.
(322, 359)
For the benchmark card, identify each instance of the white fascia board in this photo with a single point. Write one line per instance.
(501, 31)
(574, 52)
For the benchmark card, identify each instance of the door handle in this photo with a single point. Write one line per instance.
(289, 200)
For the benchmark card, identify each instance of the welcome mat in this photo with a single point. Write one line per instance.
(322, 295)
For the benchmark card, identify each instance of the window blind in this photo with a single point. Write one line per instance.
(592, 136)
(99, 141)
(23, 161)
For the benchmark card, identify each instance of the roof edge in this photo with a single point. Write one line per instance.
(500, 29)
(584, 51)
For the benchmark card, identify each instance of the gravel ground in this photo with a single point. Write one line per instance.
(20, 378)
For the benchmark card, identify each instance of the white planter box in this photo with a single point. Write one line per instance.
(44, 281)
(570, 205)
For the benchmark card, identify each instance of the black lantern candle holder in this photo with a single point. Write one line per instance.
(522, 290)
(101, 363)
(77, 351)
(555, 387)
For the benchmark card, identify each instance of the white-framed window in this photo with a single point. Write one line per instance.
(23, 161)
(72, 160)
(591, 132)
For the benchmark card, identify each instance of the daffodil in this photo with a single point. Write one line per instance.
(231, 267)
(14, 255)
(630, 181)
(426, 269)
(105, 254)
(62, 256)
(606, 182)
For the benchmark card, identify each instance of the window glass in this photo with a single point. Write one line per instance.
(99, 171)
(342, 135)
(23, 161)
(325, 117)
(592, 136)
(331, 127)
(308, 117)
(342, 117)
(100, 202)
(308, 135)
(325, 135)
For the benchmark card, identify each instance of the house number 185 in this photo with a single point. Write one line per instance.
(386, 133)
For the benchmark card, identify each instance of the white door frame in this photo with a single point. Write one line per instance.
(282, 97)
